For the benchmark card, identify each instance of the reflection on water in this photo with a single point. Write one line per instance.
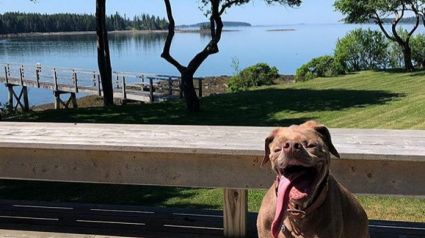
(137, 41)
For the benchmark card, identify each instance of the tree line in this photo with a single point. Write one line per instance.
(17, 22)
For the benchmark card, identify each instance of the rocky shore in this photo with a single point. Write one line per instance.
(212, 85)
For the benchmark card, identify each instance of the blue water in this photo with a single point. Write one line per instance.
(140, 52)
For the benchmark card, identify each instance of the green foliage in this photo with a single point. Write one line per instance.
(418, 49)
(395, 56)
(323, 66)
(362, 11)
(253, 76)
(362, 50)
(17, 22)
(395, 51)
(417, 44)
(355, 11)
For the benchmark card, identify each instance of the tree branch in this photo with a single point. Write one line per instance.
(417, 14)
(216, 27)
(166, 51)
(381, 26)
(394, 25)
(228, 4)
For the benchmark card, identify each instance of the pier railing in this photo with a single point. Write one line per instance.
(128, 86)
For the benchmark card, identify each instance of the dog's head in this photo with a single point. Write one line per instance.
(301, 154)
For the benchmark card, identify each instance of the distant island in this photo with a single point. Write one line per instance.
(405, 20)
(225, 23)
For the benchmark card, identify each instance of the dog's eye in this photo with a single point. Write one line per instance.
(311, 145)
(277, 150)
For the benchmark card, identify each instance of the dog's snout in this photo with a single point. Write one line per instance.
(292, 146)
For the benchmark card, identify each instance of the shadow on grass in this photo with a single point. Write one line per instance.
(100, 194)
(252, 108)
(417, 72)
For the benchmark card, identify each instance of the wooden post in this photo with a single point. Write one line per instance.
(73, 98)
(124, 93)
(26, 107)
(37, 74)
(74, 78)
(200, 87)
(151, 89)
(21, 74)
(55, 78)
(6, 73)
(24, 93)
(10, 97)
(99, 90)
(235, 212)
(117, 81)
(57, 99)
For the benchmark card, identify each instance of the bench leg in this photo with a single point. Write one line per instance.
(235, 212)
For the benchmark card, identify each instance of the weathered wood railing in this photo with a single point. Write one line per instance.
(379, 162)
(128, 86)
(151, 83)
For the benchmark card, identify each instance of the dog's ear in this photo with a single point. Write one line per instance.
(267, 142)
(323, 130)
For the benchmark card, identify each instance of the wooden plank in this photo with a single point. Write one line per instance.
(139, 168)
(235, 209)
(396, 229)
(388, 144)
(109, 219)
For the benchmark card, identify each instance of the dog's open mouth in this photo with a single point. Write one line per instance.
(303, 181)
(296, 185)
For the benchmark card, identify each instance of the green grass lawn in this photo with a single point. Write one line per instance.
(394, 100)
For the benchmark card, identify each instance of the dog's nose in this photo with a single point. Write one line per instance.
(293, 146)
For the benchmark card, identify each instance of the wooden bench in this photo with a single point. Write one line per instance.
(379, 162)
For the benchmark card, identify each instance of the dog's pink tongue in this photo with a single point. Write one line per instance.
(282, 202)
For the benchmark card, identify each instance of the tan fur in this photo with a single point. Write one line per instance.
(339, 216)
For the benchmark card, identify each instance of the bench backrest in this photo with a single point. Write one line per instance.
(382, 162)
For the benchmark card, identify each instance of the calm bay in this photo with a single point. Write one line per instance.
(286, 47)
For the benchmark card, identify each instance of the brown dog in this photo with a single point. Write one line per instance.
(306, 200)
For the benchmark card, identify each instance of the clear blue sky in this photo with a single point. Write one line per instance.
(187, 12)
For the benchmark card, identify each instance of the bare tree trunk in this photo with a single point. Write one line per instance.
(189, 93)
(103, 56)
(187, 73)
(407, 54)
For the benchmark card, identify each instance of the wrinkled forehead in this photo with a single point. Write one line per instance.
(295, 133)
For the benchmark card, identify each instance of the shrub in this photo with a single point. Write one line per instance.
(323, 66)
(418, 50)
(395, 52)
(362, 50)
(253, 76)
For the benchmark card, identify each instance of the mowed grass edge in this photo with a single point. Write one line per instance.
(390, 100)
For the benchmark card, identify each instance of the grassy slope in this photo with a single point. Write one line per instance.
(363, 100)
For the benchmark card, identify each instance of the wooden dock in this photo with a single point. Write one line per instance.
(137, 87)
